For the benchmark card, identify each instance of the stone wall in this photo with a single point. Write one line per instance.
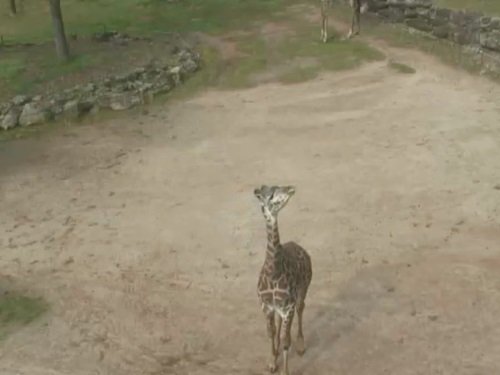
(466, 28)
(116, 93)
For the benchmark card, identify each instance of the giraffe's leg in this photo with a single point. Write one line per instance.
(278, 332)
(325, 37)
(300, 335)
(287, 340)
(271, 332)
(358, 18)
(355, 22)
(351, 30)
(322, 26)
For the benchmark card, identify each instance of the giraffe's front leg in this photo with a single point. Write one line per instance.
(300, 335)
(271, 332)
(278, 332)
(287, 339)
(351, 30)
(325, 36)
(322, 27)
(355, 22)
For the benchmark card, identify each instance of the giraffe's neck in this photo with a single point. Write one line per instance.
(273, 238)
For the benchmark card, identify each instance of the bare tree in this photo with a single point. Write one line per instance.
(59, 34)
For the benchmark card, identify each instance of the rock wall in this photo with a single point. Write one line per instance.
(466, 28)
(116, 93)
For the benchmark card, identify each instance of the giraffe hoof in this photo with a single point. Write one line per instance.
(272, 367)
(300, 347)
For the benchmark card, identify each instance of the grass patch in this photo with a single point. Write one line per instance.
(51, 69)
(334, 55)
(17, 75)
(311, 56)
(296, 56)
(150, 17)
(137, 16)
(11, 73)
(256, 58)
(17, 311)
(11, 68)
(295, 59)
(299, 74)
(286, 58)
(401, 68)
(211, 16)
(398, 35)
(449, 53)
(490, 7)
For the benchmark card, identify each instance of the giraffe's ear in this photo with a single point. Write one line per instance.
(258, 193)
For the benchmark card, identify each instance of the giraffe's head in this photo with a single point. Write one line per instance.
(273, 198)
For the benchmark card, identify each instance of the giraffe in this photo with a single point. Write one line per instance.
(284, 278)
(358, 7)
(325, 5)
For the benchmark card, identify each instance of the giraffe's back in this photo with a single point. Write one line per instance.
(282, 287)
(299, 265)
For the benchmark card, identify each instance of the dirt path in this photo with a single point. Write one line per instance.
(145, 237)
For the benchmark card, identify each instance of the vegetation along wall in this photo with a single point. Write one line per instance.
(472, 29)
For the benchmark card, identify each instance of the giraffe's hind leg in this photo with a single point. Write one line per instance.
(300, 346)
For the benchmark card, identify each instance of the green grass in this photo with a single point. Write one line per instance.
(290, 59)
(282, 59)
(401, 68)
(21, 72)
(398, 35)
(489, 7)
(299, 74)
(137, 16)
(11, 73)
(447, 52)
(51, 69)
(17, 311)
(11, 68)
(160, 16)
(238, 73)
(294, 58)
(335, 55)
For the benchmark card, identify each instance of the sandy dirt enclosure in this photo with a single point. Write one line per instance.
(144, 235)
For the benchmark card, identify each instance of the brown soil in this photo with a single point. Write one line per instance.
(143, 233)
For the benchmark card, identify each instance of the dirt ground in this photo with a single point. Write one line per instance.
(144, 235)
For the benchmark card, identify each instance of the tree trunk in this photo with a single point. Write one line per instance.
(58, 26)
(13, 8)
